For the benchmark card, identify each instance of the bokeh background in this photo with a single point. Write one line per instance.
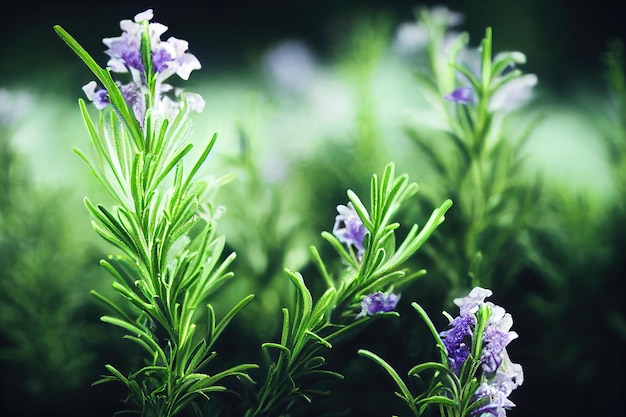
(292, 88)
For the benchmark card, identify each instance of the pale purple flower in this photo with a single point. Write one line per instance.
(457, 340)
(462, 95)
(497, 401)
(290, 66)
(496, 390)
(171, 57)
(500, 375)
(470, 303)
(99, 97)
(378, 302)
(513, 94)
(349, 228)
(509, 375)
(14, 105)
(168, 58)
(410, 37)
(496, 337)
(443, 16)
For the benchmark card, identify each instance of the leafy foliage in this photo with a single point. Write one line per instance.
(310, 327)
(475, 160)
(170, 260)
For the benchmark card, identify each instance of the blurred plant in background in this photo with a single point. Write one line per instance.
(582, 264)
(472, 155)
(268, 238)
(48, 344)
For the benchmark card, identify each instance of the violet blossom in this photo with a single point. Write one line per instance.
(349, 228)
(463, 95)
(496, 337)
(457, 341)
(501, 376)
(496, 390)
(168, 58)
(378, 302)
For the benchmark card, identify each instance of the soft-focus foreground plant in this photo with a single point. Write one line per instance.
(163, 220)
(365, 240)
(474, 376)
(475, 159)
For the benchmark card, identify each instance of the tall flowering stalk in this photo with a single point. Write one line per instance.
(474, 376)
(170, 259)
(475, 155)
(366, 242)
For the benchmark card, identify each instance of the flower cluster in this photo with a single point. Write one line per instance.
(349, 228)
(501, 376)
(378, 302)
(165, 59)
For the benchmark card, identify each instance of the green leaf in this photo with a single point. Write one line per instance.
(229, 316)
(433, 330)
(404, 390)
(105, 78)
(341, 250)
(200, 161)
(146, 337)
(417, 369)
(324, 303)
(437, 399)
(321, 267)
(486, 60)
(361, 210)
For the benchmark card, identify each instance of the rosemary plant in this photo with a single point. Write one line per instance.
(474, 375)
(475, 159)
(365, 240)
(170, 258)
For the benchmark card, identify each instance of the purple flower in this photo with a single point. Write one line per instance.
(496, 337)
(349, 228)
(14, 105)
(100, 97)
(378, 302)
(500, 375)
(291, 67)
(463, 95)
(134, 96)
(497, 389)
(168, 58)
(497, 401)
(470, 304)
(513, 94)
(457, 341)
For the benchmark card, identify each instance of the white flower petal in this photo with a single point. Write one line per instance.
(147, 15)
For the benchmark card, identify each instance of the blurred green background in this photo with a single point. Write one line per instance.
(297, 143)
